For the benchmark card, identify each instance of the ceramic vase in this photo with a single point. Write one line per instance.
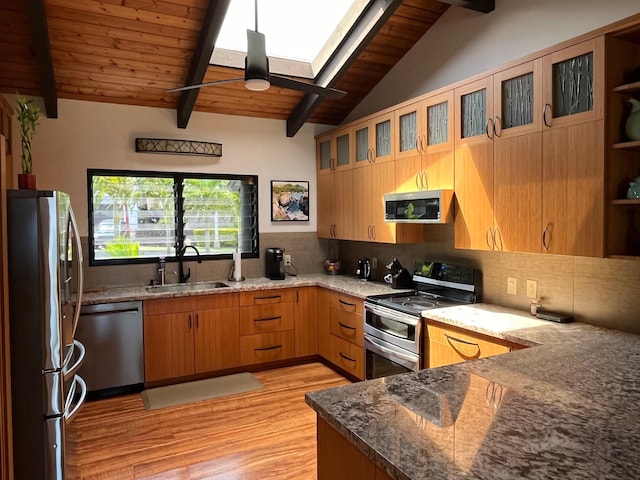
(632, 126)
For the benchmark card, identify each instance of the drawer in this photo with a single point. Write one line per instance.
(263, 297)
(347, 325)
(267, 318)
(168, 305)
(217, 300)
(448, 346)
(347, 302)
(347, 356)
(266, 347)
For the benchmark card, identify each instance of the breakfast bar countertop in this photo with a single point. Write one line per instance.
(564, 408)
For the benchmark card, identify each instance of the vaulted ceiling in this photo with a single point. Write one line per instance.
(132, 51)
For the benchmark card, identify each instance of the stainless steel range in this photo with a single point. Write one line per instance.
(393, 326)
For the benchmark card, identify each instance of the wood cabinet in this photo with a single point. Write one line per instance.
(334, 151)
(373, 140)
(339, 459)
(335, 205)
(424, 144)
(447, 345)
(340, 331)
(267, 322)
(190, 335)
(306, 322)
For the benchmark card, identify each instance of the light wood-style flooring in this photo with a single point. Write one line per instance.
(269, 433)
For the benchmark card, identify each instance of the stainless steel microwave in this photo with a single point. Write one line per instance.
(429, 206)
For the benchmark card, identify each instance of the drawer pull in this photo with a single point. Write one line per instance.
(347, 303)
(270, 297)
(266, 319)
(346, 358)
(262, 349)
(346, 326)
(466, 342)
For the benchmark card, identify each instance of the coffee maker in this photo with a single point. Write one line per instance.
(274, 263)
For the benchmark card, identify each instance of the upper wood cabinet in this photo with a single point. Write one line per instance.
(335, 200)
(334, 151)
(424, 144)
(373, 140)
(573, 89)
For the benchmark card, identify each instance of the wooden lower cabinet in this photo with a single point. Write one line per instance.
(191, 335)
(346, 355)
(339, 459)
(448, 345)
(306, 322)
(266, 347)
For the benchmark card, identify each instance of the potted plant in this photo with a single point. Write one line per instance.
(28, 115)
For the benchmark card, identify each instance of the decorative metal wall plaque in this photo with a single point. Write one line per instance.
(178, 147)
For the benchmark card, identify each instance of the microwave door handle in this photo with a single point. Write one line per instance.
(404, 360)
(69, 412)
(78, 248)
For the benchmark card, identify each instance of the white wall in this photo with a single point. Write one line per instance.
(464, 43)
(101, 135)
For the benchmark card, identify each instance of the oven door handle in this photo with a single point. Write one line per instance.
(388, 313)
(409, 361)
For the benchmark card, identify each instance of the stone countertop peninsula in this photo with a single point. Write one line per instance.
(566, 408)
(340, 283)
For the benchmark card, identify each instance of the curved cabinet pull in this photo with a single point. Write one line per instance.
(419, 180)
(190, 321)
(197, 321)
(373, 232)
(347, 303)
(425, 180)
(490, 243)
(266, 319)
(544, 114)
(490, 135)
(348, 327)
(545, 235)
(464, 342)
(497, 131)
(346, 358)
(497, 240)
(263, 349)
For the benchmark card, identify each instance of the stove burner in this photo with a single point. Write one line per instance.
(417, 303)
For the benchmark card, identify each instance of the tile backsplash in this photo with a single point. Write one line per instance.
(595, 290)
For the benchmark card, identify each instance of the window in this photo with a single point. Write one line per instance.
(137, 217)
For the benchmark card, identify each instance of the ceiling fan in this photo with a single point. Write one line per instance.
(256, 71)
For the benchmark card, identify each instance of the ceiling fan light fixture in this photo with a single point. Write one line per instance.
(257, 84)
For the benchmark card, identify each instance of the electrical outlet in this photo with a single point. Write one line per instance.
(374, 263)
(287, 260)
(512, 286)
(532, 289)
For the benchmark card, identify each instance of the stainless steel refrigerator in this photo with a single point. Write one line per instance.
(45, 272)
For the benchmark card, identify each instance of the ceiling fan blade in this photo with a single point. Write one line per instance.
(292, 84)
(207, 84)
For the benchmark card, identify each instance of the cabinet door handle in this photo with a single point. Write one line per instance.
(545, 245)
(197, 321)
(544, 114)
(373, 232)
(266, 319)
(489, 120)
(419, 180)
(497, 239)
(348, 327)
(270, 297)
(190, 322)
(423, 142)
(347, 303)
(346, 358)
(490, 243)
(263, 349)
(369, 232)
(497, 122)
(425, 180)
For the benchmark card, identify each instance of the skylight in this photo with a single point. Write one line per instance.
(298, 30)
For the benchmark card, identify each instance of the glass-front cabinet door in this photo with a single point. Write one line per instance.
(383, 138)
(474, 112)
(518, 100)
(573, 88)
(334, 151)
(324, 154)
(409, 131)
(363, 151)
(372, 140)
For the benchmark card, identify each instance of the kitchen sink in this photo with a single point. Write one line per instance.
(186, 287)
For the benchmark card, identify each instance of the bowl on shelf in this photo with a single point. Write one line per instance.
(333, 267)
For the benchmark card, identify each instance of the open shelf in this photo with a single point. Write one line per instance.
(628, 89)
(635, 145)
(626, 201)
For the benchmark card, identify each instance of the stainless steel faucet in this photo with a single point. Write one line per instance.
(183, 277)
(162, 268)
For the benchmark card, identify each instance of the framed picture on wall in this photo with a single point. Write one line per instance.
(289, 201)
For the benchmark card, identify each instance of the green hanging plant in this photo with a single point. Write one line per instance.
(28, 115)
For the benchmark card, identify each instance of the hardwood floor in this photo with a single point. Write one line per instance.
(269, 433)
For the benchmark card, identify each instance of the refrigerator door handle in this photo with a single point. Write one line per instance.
(78, 247)
(70, 409)
(71, 370)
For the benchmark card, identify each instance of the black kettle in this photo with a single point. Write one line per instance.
(364, 269)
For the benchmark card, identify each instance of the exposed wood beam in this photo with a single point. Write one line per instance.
(363, 31)
(484, 6)
(206, 42)
(40, 38)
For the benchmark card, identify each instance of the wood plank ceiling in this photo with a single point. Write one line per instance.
(131, 51)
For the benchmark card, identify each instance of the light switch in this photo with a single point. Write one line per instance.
(512, 286)
(532, 289)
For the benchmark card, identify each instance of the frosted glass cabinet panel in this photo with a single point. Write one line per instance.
(372, 140)
(517, 101)
(334, 151)
(573, 88)
(438, 124)
(383, 138)
(473, 113)
(343, 150)
(363, 152)
(407, 126)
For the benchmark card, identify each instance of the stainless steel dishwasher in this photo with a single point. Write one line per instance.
(113, 338)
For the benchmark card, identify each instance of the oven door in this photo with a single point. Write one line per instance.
(383, 359)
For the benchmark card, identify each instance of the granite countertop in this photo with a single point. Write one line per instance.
(340, 283)
(565, 408)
